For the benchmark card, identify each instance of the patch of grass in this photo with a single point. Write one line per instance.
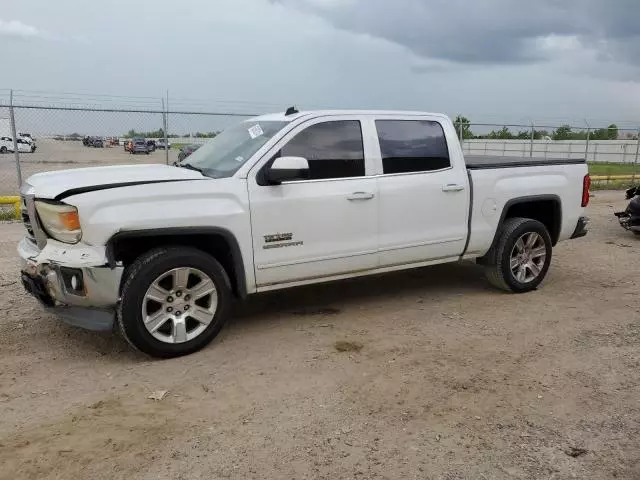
(346, 346)
(614, 185)
(614, 169)
(7, 215)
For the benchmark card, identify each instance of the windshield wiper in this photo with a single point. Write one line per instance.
(190, 167)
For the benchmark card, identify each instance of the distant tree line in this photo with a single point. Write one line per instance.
(564, 132)
(160, 134)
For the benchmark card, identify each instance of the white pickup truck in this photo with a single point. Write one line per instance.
(283, 200)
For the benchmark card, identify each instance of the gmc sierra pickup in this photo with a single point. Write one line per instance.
(283, 200)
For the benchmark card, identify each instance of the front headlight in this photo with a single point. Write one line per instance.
(60, 221)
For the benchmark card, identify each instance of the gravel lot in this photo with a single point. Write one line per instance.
(442, 378)
(60, 155)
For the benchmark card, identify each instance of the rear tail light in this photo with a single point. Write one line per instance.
(586, 185)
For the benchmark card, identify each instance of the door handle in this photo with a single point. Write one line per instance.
(452, 187)
(360, 196)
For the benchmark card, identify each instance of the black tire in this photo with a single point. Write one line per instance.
(143, 272)
(497, 261)
(3, 149)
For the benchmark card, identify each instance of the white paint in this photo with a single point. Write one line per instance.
(338, 228)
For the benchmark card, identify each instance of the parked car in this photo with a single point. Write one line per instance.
(139, 145)
(27, 136)
(6, 145)
(87, 141)
(151, 145)
(97, 143)
(187, 150)
(161, 145)
(280, 201)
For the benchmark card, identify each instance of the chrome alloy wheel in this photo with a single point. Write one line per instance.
(527, 257)
(179, 305)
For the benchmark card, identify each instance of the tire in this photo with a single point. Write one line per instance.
(3, 149)
(144, 273)
(498, 262)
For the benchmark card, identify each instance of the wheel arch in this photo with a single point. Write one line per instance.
(219, 242)
(547, 209)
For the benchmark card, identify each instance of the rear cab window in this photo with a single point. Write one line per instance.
(412, 146)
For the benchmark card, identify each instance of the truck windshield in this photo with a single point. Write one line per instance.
(223, 155)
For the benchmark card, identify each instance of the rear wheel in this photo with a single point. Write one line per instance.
(3, 149)
(520, 260)
(174, 301)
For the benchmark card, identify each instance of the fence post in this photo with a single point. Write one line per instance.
(637, 148)
(16, 153)
(586, 150)
(460, 129)
(166, 132)
(531, 144)
(164, 129)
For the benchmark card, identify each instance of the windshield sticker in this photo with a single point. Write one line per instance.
(255, 131)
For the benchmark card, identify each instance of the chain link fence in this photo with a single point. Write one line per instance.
(58, 138)
(62, 137)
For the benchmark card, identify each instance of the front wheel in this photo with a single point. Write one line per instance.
(3, 149)
(520, 260)
(174, 301)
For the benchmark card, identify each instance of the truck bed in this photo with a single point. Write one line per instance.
(478, 162)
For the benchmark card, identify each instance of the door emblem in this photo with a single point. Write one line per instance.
(280, 240)
(278, 237)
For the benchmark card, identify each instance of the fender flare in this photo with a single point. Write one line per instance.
(229, 237)
(529, 199)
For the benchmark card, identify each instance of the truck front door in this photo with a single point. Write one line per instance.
(322, 226)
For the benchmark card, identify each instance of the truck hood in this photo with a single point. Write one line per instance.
(63, 183)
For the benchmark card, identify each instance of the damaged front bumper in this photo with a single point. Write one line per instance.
(72, 281)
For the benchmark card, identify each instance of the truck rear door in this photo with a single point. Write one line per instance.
(423, 191)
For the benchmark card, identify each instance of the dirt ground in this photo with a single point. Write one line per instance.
(424, 374)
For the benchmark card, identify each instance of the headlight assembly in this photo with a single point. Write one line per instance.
(60, 221)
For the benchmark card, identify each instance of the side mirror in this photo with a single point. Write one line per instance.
(285, 169)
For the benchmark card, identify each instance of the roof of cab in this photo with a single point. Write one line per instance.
(281, 117)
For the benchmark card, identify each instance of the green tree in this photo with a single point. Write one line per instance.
(563, 133)
(502, 134)
(466, 127)
(612, 132)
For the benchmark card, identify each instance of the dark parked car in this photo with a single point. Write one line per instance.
(87, 141)
(97, 143)
(186, 151)
(151, 145)
(139, 145)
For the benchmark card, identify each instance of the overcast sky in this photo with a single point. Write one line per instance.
(493, 60)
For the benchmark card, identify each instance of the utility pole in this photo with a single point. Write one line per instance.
(15, 138)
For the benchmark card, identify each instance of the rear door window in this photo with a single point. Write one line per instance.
(412, 146)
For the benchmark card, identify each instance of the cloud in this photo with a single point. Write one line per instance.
(490, 31)
(15, 28)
